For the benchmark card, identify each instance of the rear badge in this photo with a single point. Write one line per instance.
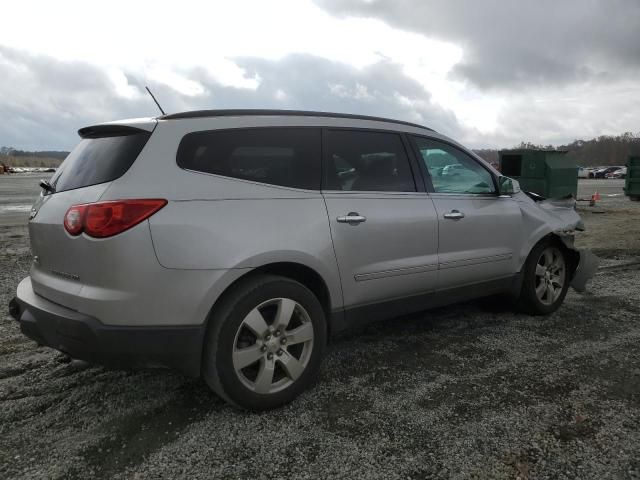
(66, 275)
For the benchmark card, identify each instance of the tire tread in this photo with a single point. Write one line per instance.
(527, 302)
(226, 309)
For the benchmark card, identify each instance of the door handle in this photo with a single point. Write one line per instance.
(352, 218)
(454, 215)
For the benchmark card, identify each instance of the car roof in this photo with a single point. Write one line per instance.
(289, 113)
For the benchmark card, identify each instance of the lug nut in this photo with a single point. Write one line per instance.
(277, 333)
(267, 338)
(283, 341)
(280, 352)
(263, 348)
(270, 356)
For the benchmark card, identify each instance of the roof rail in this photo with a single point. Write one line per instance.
(296, 113)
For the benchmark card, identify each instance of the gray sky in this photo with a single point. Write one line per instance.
(490, 73)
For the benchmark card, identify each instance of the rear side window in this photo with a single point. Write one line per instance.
(99, 160)
(367, 161)
(289, 157)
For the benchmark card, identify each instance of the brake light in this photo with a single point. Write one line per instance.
(74, 219)
(105, 219)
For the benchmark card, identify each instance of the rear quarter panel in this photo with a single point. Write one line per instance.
(245, 234)
(217, 223)
(223, 234)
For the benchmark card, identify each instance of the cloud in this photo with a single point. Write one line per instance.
(490, 73)
(44, 101)
(318, 84)
(511, 44)
(544, 71)
(561, 115)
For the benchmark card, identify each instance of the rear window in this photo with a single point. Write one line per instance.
(289, 157)
(99, 160)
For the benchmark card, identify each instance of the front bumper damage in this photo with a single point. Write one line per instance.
(586, 269)
(558, 217)
(587, 262)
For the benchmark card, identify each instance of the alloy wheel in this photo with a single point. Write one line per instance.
(273, 345)
(550, 275)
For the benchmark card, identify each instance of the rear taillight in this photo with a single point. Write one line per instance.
(74, 219)
(105, 219)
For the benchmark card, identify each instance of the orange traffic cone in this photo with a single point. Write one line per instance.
(594, 198)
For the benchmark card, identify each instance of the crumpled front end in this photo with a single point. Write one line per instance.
(559, 217)
(587, 266)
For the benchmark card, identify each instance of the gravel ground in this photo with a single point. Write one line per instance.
(460, 392)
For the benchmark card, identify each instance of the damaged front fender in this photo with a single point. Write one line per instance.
(586, 270)
(587, 266)
(559, 217)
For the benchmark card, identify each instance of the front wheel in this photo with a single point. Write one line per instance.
(546, 279)
(265, 343)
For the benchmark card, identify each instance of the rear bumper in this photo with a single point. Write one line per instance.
(86, 338)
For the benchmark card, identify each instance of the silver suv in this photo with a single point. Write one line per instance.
(231, 244)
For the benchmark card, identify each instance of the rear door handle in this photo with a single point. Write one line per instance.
(352, 218)
(454, 215)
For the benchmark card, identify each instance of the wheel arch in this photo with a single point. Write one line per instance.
(565, 242)
(228, 313)
(303, 274)
(299, 272)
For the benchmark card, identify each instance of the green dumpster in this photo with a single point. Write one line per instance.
(549, 173)
(632, 180)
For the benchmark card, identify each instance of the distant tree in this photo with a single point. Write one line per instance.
(12, 152)
(602, 150)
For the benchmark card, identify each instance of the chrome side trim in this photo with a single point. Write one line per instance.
(476, 261)
(362, 277)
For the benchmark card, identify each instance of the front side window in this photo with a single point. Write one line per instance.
(367, 161)
(289, 157)
(451, 170)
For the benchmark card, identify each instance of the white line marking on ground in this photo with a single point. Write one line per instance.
(15, 208)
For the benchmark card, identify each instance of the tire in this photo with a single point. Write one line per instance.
(534, 298)
(277, 370)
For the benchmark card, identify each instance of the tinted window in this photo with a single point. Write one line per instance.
(452, 170)
(367, 161)
(289, 157)
(98, 160)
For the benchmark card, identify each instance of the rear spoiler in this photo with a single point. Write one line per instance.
(101, 131)
(119, 128)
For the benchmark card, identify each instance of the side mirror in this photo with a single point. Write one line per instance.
(508, 186)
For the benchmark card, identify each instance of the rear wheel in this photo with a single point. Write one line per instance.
(546, 279)
(265, 343)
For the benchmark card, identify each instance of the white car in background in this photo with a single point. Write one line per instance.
(583, 172)
(620, 173)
